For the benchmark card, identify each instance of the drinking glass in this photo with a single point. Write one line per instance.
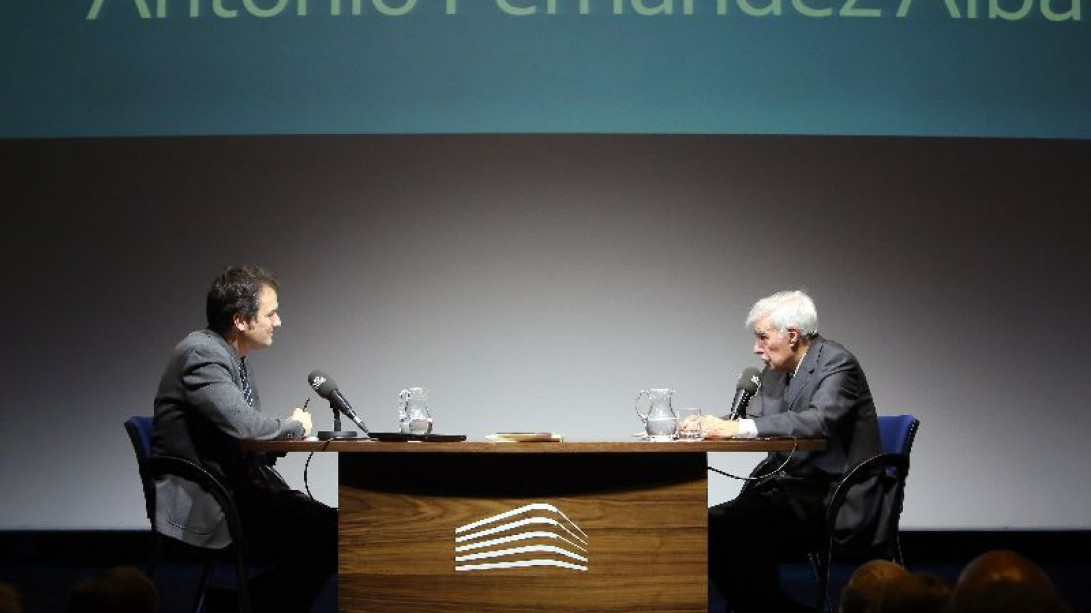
(690, 427)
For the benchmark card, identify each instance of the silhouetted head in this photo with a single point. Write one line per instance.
(9, 599)
(120, 590)
(916, 593)
(867, 584)
(1004, 581)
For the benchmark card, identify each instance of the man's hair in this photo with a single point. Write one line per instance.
(866, 585)
(236, 291)
(9, 599)
(123, 589)
(791, 309)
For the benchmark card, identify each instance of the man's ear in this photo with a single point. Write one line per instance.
(793, 337)
(239, 322)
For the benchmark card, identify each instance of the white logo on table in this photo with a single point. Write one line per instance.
(534, 535)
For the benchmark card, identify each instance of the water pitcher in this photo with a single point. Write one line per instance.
(413, 415)
(659, 418)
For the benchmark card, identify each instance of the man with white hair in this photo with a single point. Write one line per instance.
(811, 387)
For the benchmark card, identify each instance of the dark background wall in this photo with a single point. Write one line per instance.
(538, 282)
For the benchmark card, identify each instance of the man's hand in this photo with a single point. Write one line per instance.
(715, 427)
(302, 417)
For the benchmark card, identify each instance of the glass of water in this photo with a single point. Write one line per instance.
(690, 427)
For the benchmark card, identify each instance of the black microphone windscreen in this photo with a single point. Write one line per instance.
(321, 383)
(749, 380)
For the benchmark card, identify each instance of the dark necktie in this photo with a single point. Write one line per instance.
(247, 389)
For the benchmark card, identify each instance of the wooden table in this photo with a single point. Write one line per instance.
(518, 527)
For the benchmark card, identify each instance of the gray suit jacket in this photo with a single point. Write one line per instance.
(200, 415)
(828, 397)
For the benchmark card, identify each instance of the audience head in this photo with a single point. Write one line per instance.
(9, 599)
(916, 593)
(866, 585)
(1004, 581)
(119, 590)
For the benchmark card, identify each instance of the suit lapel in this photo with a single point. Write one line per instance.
(803, 375)
(236, 368)
(772, 393)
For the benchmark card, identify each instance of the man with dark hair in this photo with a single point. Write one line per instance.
(237, 291)
(206, 403)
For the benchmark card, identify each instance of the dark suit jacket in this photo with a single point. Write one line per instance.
(200, 415)
(828, 397)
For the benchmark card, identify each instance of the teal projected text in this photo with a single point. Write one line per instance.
(1005, 10)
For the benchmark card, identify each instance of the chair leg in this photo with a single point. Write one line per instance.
(244, 589)
(157, 555)
(202, 586)
(820, 568)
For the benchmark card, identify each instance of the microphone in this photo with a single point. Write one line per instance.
(745, 389)
(327, 388)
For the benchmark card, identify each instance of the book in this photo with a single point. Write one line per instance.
(525, 437)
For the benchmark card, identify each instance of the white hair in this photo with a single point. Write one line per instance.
(791, 309)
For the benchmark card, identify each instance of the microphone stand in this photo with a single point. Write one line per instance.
(337, 432)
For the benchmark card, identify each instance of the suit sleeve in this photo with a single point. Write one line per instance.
(209, 387)
(834, 394)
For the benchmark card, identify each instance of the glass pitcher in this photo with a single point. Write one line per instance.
(413, 415)
(659, 419)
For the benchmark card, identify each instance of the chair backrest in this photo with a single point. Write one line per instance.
(896, 433)
(140, 435)
(877, 502)
(877, 489)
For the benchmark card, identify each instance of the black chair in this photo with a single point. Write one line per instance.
(891, 468)
(156, 467)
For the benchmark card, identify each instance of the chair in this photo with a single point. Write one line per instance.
(155, 467)
(896, 434)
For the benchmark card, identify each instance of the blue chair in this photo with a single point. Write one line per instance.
(896, 434)
(155, 467)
